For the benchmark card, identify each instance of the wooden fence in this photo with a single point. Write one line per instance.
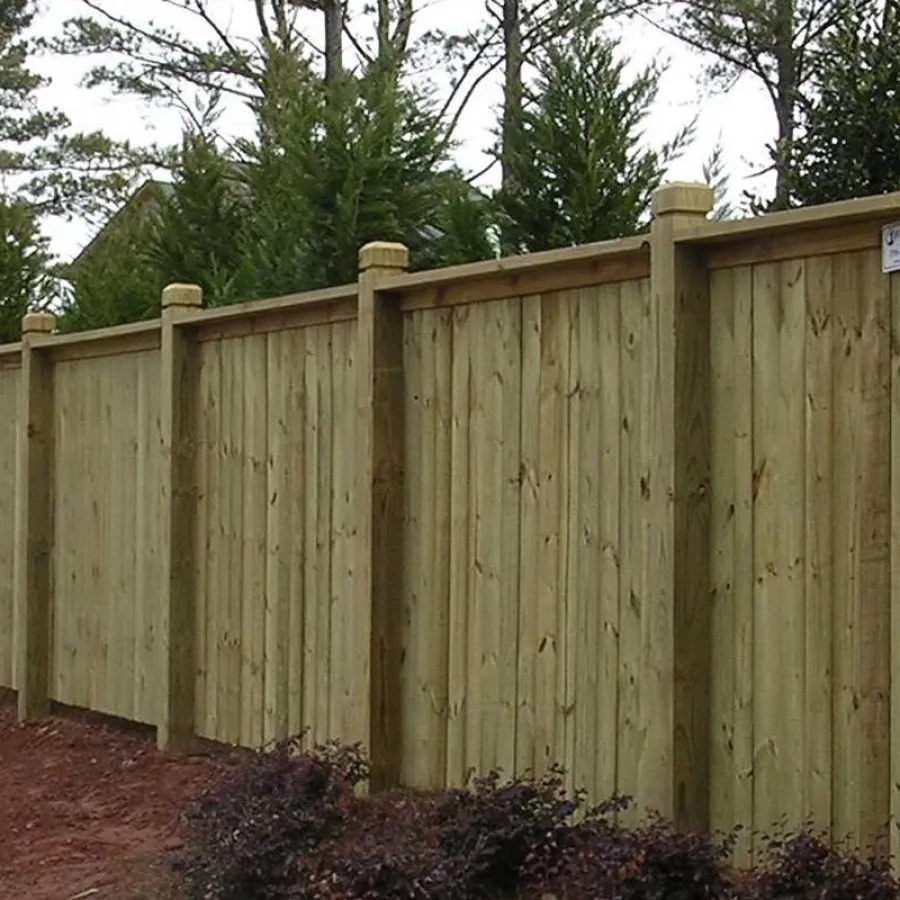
(632, 507)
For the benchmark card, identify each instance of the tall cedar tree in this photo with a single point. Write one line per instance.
(334, 166)
(197, 233)
(115, 281)
(580, 169)
(24, 268)
(849, 141)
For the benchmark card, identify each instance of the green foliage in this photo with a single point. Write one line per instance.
(56, 171)
(716, 176)
(333, 167)
(115, 281)
(751, 35)
(579, 169)
(849, 140)
(25, 282)
(776, 42)
(21, 119)
(330, 168)
(196, 233)
(24, 255)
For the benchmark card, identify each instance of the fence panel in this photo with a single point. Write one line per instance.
(801, 360)
(276, 480)
(106, 595)
(9, 396)
(521, 641)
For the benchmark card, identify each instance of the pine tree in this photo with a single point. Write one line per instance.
(849, 140)
(25, 280)
(334, 166)
(580, 169)
(24, 254)
(196, 236)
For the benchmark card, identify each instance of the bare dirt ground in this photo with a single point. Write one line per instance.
(89, 809)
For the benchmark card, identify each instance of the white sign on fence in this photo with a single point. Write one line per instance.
(890, 248)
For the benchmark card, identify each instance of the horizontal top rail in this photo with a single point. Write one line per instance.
(10, 355)
(533, 273)
(845, 226)
(133, 337)
(322, 307)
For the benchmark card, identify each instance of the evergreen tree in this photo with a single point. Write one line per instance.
(775, 42)
(581, 173)
(24, 255)
(849, 140)
(334, 166)
(196, 236)
(25, 282)
(115, 281)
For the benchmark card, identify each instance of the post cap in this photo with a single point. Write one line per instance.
(681, 197)
(38, 323)
(182, 295)
(383, 255)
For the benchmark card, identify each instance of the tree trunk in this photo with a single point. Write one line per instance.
(334, 39)
(786, 101)
(512, 98)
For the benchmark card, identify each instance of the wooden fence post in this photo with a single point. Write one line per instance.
(381, 437)
(175, 727)
(676, 567)
(678, 563)
(34, 519)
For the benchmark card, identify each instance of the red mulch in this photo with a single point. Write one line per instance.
(89, 808)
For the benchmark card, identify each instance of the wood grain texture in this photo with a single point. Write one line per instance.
(107, 460)
(472, 530)
(819, 515)
(532, 543)
(779, 469)
(731, 555)
(894, 604)
(9, 402)
(811, 700)
(275, 522)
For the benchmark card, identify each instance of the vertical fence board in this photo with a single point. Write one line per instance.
(9, 400)
(873, 685)
(550, 598)
(846, 442)
(722, 552)
(779, 442)
(440, 451)
(418, 740)
(459, 696)
(742, 592)
(210, 537)
(529, 540)
(588, 735)
(277, 625)
(148, 584)
(819, 517)
(894, 601)
(609, 474)
(254, 538)
(630, 596)
(296, 448)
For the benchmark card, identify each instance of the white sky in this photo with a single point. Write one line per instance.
(743, 118)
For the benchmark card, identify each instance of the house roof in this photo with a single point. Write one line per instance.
(146, 193)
